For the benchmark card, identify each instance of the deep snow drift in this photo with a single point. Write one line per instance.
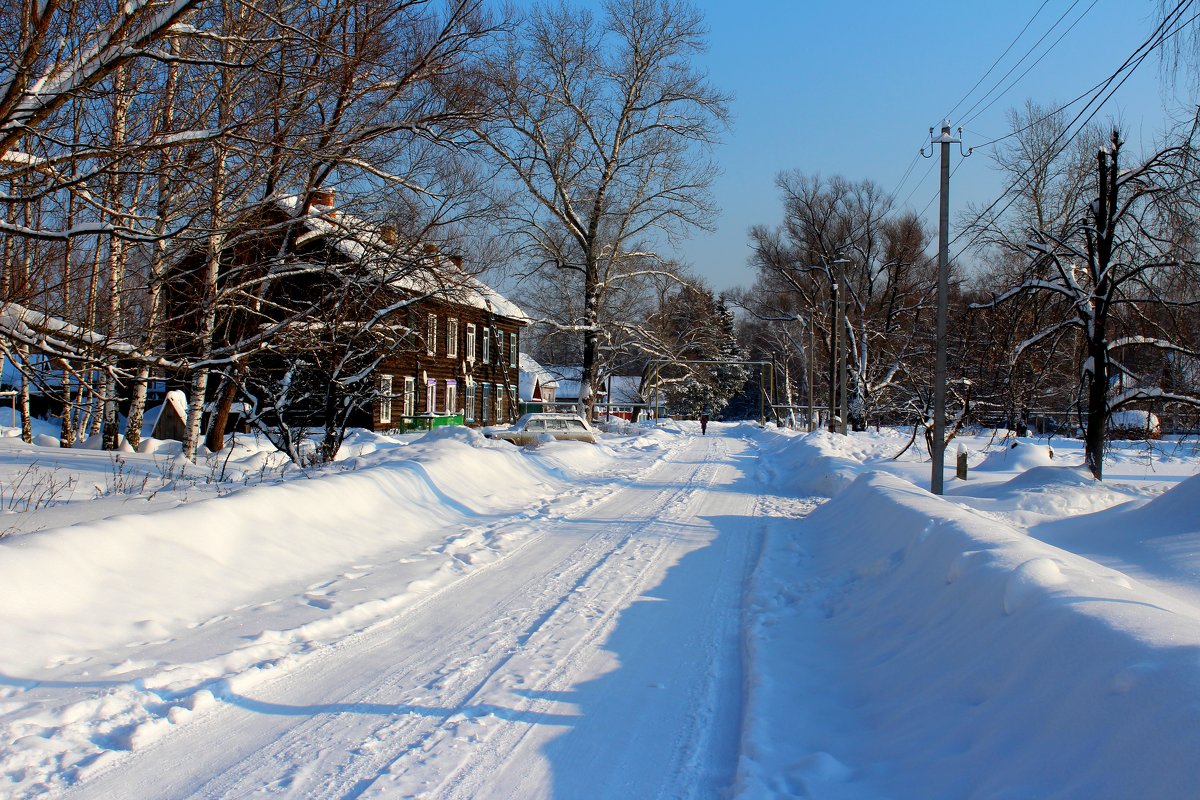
(960, 656)
(1031, 634)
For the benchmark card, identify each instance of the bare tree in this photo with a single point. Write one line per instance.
(839, 232)
(1110, 276)
(602, 123)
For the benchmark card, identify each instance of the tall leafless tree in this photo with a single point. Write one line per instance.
(1109, 275)
(602, 123)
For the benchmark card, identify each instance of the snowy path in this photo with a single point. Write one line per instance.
(601, 658)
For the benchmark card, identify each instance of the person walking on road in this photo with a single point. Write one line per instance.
(703, 424)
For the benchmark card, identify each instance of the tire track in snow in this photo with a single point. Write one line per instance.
(300, 752)
(269, 658)
(422, 736)
(712, 701)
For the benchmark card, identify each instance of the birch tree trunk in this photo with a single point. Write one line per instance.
(154, 311)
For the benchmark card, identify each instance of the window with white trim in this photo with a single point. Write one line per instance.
(451, 397)
(451, 338)
(385, 399)
(512, 349)
(431, 335)
(499, 346)
(485, 389)
(470, 354)
(469, 403)
(410, 397)
(430, 396)
(500, 401)
(487, 346)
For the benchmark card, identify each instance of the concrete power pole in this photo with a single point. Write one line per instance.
(833, 354)
(812, 371)
(943, 294)
(843, 344)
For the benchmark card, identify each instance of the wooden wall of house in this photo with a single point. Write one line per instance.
(448, 362)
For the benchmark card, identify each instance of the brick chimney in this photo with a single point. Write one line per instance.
(323, 199)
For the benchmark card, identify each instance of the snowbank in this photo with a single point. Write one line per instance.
(965, 658)
(810, 464)
(103, 584)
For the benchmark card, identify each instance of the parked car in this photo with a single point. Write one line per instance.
(533, 427)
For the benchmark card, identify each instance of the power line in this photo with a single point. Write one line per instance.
(1098, 86)
(1036, 61)
(1000, 57)
(1033, 47)
(1156, 39)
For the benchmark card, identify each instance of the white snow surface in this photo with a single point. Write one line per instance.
(752, 614)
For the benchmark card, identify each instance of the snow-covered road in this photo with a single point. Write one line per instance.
(753, 614)
(601, 657)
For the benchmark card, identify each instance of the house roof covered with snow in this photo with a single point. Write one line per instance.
(623, 390)
(533, 377)
(365, 241)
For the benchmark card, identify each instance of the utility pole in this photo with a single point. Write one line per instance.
(812, 372)
(943, 294)
(843, 344)
(837, 346)
(833, 354)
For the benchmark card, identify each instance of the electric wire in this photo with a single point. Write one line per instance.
(999, 58)
(1128, 67)
(1028, 69)
(1034, 46)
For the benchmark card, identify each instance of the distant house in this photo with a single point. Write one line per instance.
(616, 395)
(457, 362)
(538, 388)
(624, 396)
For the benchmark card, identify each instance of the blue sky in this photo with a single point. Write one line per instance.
(852, 88)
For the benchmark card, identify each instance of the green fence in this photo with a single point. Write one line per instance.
(424, 423)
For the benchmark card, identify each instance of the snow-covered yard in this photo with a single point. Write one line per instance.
(756, 612)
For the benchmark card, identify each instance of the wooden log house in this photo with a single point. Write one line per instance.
(458, 362)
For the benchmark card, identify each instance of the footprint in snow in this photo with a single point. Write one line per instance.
(320, 601)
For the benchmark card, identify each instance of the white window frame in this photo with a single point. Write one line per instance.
(410, 397)
(430, 396)
(485, 415)
(470, 354)
(385, 399)
(485, 357)
(451, 397)
(451, 338)
(469, 403)
(512, 349)
(431, 335)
